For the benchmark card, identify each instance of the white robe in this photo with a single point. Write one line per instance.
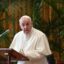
(34, 46)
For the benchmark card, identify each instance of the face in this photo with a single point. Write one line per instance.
(26, 25)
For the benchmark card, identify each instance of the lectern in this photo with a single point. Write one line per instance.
(8, 55)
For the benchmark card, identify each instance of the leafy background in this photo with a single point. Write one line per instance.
(47, 15)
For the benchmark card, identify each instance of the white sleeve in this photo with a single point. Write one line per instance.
(13, 42)
(47, 50)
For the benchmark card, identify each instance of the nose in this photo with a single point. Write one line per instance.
(25, 27)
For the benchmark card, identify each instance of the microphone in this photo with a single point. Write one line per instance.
(4, 33)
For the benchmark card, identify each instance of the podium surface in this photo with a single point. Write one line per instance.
(7, 54)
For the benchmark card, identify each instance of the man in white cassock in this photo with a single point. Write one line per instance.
(31, 42)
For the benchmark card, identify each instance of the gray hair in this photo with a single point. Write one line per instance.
(23, 17)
